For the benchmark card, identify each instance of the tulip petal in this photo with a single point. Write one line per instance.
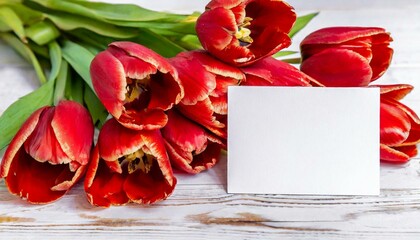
(115, 141)
(414, 136)
(185, 134)
(73, 129)
(338, 35)
(395, 125)
(159, 182)
(197, 82)
(154, 143)
(228, 4)
(398, 154)
(134, 68)
(413, 115)
(414, 133)
(273, 72)
(217, 67)
(186, 142)
(148, 188)
(220, 24)
(109, 82)
(145, 54)
(394, 91)
(165, 91)
(42, 144)
(220, 104)
(67, 179)
(382, 56)
(338, 68)
(103, 186)
(18, 140)
(145, 120)
(223, 83)
(24, 179)
(270, 20)
(203, 113)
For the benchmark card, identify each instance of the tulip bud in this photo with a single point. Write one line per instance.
(205, 80)
(190, 147)
(346, 56)
(399, 127)
(50, 152)
(241, 32)
(128, 166)
(136, 85)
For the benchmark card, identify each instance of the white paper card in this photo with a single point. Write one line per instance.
(298, 140)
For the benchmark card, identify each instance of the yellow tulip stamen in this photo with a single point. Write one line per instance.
(138, 160)
(135, 88)
(244, 34)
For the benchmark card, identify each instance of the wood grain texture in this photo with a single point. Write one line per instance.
(200, 208)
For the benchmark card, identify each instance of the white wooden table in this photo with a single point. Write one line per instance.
(200, 208)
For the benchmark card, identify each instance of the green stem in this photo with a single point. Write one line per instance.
(292, 60)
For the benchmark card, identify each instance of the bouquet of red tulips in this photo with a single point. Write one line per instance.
(157, 110)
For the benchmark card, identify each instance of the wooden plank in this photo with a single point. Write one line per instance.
(207, 209)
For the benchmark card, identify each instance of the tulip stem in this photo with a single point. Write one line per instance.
(61, 82)
(292, 60)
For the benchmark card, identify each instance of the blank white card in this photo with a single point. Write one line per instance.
(301, 140)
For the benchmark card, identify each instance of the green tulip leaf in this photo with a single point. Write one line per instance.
(158, 43)
(40, 51)
(10, 19)
(77, 89)
(95, 107)
(284, 53)
(301, 22)
(42, 32)
(56, 59)
(28, 16)
(68, 22)
(104, 11)
(91, 38)
(79, 58)
(17, 113)
(26, 53)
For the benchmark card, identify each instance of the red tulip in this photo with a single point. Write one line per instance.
(49, 153)
(241, 32)
(205, 80)
(273, 72)
(136, 85)
(346, 56)
(400, 126)
(128, 166)
(190, 147)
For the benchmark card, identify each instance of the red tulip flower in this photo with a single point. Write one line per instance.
(240, 32)
(190, 147)
(346, 56)
(128, 166)
(400, 126)
(49, 153)
(135, 84)
(272, 72)
(205, 81)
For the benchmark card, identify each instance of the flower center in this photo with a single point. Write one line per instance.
(243, 33)
(137, 160)
(135, 88)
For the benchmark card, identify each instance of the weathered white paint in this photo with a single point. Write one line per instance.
(200, 208)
